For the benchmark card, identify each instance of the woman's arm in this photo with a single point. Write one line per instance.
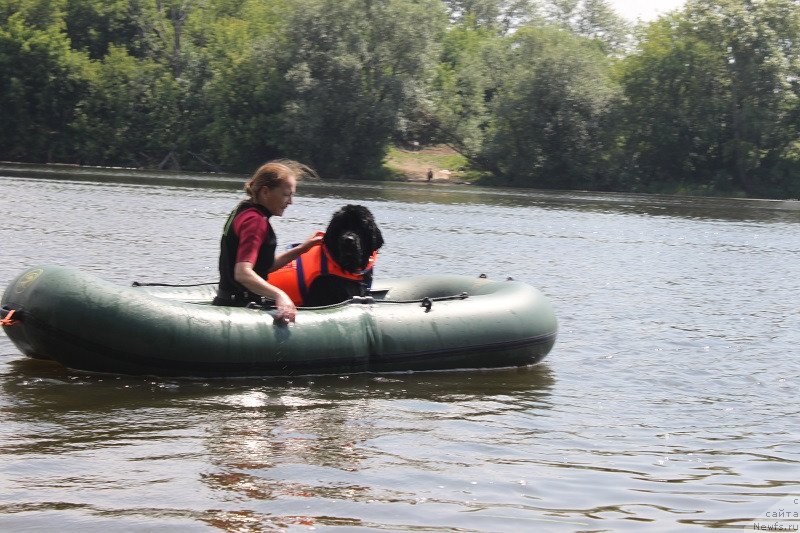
(244, 274)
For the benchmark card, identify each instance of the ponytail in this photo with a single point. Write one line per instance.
(274, 173)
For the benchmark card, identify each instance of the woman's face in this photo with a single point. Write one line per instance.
(278, 199)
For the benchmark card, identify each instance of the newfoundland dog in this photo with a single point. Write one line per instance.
(351, 238)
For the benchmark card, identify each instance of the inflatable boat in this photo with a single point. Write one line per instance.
(420, 323)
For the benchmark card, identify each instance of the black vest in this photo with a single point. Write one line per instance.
(229, 289)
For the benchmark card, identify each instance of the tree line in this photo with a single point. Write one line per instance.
(539, 93)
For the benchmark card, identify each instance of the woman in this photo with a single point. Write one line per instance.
(247, 247)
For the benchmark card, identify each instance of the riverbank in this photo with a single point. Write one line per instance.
(450, 167)
(446, 165)
(119, 174)
(401, 165)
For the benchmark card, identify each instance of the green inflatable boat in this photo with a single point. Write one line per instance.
(419, 323)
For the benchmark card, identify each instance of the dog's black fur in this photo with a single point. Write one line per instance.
(351, 237)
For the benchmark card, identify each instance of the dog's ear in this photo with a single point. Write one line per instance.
(335, 224)
(378, 237)
(372, 235)
(335, 228)
(375, 236)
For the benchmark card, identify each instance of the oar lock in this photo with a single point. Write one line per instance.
(427, 302)
(484, 276)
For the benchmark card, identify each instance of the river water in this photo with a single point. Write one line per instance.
(668, 403)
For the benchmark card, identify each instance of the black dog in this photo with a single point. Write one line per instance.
(351, 238)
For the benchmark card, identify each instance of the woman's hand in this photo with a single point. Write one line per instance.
(286, 308)
(244, 274)
(314, 240)
(292, 254)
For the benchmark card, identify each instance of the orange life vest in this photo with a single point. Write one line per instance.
(295, 278)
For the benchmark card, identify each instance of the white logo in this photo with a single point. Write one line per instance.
(783, 516)
(27, 279)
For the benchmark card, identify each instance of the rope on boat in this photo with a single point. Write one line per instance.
(426, 302)
(143, 284)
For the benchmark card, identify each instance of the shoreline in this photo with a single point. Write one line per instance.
(402, 174)
(75, 171)
(118, 174)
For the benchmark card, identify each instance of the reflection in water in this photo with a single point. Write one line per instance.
(334, 426)
(263, 418)
(49, 386)
(265, 440)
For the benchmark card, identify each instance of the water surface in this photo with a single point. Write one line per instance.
(668, 403)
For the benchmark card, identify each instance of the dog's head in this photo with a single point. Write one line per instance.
(352, 236)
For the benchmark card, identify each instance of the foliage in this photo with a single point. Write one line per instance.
(499, 15)
(93, 26)
(351, 66)
(551, 98)
(713, 97)
(244, 90)
(594, 19)
(671, 118)
(544, 93)
(43, 81)
(132, 95)
(463, 84)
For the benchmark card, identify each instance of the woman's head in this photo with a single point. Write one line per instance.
(273, 184)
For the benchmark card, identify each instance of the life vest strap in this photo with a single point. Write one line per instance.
(323, 262)
(301, 278)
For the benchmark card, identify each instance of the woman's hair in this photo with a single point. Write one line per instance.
(273, 173)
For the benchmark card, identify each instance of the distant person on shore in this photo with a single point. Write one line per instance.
(247, 247)
(430, 174)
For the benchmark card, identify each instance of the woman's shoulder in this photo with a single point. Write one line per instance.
(250, 216)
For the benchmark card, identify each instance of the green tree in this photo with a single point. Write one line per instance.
(461, 87)
(760, 50)
(672, 117)
(595, 19)
(547, 117)
(128, 116)
(43, 79)
(173, 34)
(472, 84)
(499, 15)
(95, 25)
(246, 90)
(351, 67)
(713, 96)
